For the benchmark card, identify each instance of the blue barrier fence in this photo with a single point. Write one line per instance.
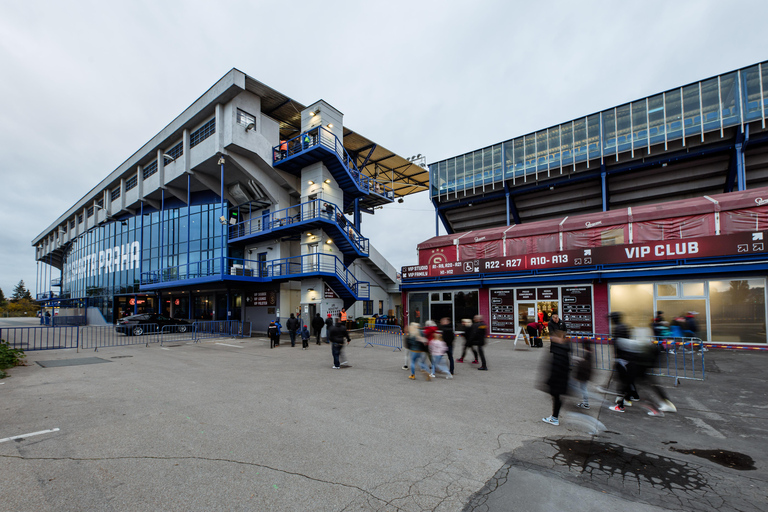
(384, 335)
(95, 337)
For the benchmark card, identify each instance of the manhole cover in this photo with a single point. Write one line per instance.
(72, 362)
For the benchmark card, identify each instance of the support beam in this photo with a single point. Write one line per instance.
(604, 187)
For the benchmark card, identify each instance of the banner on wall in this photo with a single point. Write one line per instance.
(702, 247)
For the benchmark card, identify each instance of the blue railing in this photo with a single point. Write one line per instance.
(320, 136)
(310, 210)
(321, 263)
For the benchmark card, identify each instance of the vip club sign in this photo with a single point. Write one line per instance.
(750, 243)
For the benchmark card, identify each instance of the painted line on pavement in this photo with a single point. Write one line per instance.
(163, 348)
(23, 436)
(228, 345)
(706, 427)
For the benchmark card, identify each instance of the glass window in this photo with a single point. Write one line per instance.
(693, 289)
(593, 135)
(465, 305)
(691, 110)
(433, 179)
(666, 289)
(368, 307)
(487, 165)
(418, 304)
(676, 310)
(519, 156)
(381, 307)
(674, 114)
(451, 175)
(497, 171)
(460, 172)
(566, 142)
(509, 157)
(435, 296)
(710, 105)
(737, 311)
(477, 178)
(639, 124)
(447, 296)
(656, 118)
(580, 139)
(530, 153)
(541, 150)
(554, 147)
(609, 132)
(765, 85)
(729, 96)
(623, 129)
(750, 77)
(635, 301)
(442, 177)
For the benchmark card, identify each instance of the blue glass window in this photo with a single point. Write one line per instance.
(566, 143)
(609, 132)
(656, 118)
(477, 178)
(580, 140)
(541, 150)
(750, 77)
(509, 157)
(175, 152)
(729, 97)
(691, 110)
(205, 131)
(710, 105)
(451, 175)
(639, 124)
(674, 114)
(131, 183)
(497, 171)
(623, 128)
(460, 172)
(530, 153)
(593, 136)
(519, 156)
(554, 147)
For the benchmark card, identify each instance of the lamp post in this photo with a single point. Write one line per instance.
(223, 215)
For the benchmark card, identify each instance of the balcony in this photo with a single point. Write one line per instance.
(297, 219)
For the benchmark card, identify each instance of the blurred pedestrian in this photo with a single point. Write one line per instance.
(293, 326)
(467, 324)
(305, 338)
(584, 371)
(623, 358)
(437, 349)
(272, 334)
(336, 334)
(558, 373)
(417, 347)
(446, 329)
(317, 326)
(328, 325)
(478, 332)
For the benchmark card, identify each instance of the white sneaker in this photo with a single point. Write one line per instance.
(551, 420)
(335, 367)
(667, 406)
(449, 376)
(432, 375)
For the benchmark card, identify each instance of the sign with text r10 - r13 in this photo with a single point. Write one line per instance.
(747, 243)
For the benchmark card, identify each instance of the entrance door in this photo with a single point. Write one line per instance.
(440, 311)
(526, 313)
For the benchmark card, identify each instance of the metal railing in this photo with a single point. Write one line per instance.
(680, 358)
(384, 336)
(310, 210)
(41, 338)
(320, 136)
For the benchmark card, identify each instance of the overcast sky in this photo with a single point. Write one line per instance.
(85, 84)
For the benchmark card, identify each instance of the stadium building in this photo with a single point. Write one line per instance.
(247, 206)
(659, 204)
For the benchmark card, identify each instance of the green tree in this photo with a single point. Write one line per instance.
(2, 298)
(20, 292)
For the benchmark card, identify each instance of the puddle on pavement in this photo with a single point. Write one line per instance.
(601, 460)
(732, 460)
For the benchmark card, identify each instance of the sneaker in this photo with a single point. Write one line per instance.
(449, 376)
(583, 405)
(412, 377)
(617, 408)
(653, 412)
(432, 375)
(667, 406)
(475, 362)
(335, 367)
(551, 420)
(671, 352)
(460, 360)
(483, 368)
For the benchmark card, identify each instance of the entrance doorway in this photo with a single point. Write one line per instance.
(539, 311)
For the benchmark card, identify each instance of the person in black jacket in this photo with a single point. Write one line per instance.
(336, 335)
(317, 326)
(328, 325)
(468, 340)
(478, 332)
(448, 336)
(556, 324)
(558, 373)
(272, 334)
(292, 325)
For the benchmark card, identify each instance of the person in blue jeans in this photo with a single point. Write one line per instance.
(417, 346)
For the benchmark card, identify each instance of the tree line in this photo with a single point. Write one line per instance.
(20, 303)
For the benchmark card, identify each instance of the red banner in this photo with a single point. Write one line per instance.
(702, 247)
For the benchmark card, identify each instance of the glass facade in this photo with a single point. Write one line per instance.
(423, 306)
(109, 260)
(693, 110)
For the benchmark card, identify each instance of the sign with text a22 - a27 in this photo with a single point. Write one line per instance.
(746, 243)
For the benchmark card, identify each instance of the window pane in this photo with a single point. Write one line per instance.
(737, 310)
(750, 77)
(418, 303)
(465, 305)
(691, 109)
(451, 175)
(433, 179)
(693, 289)
(519, 156)
(509, 156)
(639, 124)
(656, 118)
(674, 114)
(729, 95)
(541, 150)
(666, 290)
(609, 132)
(477, 177)
(623, 132)
(593, 136)
(566, 143)
(460, 172)
(580, 139)
(530, 153)
(677, 309)
(487, 166)
(554, 147)
(710, 104)
(497, 174)
(635, 301)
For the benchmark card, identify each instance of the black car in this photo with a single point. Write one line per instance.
(151, 322)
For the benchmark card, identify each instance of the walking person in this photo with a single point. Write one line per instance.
(479, 329)
(272, 335)
(279, 331)
(328, 325)
(624, 362)
(558, 373)
(292, 325)
(317, 326)
(336, 335)
(305, 338)
(584, 372)
(437, 349)
(417, 347)
(467, 341)
(446, 329)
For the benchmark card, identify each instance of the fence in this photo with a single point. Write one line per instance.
(95, 337)
(681, 358)
(383, 335)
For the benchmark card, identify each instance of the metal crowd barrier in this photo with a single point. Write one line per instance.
(383, 335)
(680, 358)
(96, 337)
(41, 338)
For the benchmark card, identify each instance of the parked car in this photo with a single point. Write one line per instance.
(136, 325)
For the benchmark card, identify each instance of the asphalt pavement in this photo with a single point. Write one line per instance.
(230, 424)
